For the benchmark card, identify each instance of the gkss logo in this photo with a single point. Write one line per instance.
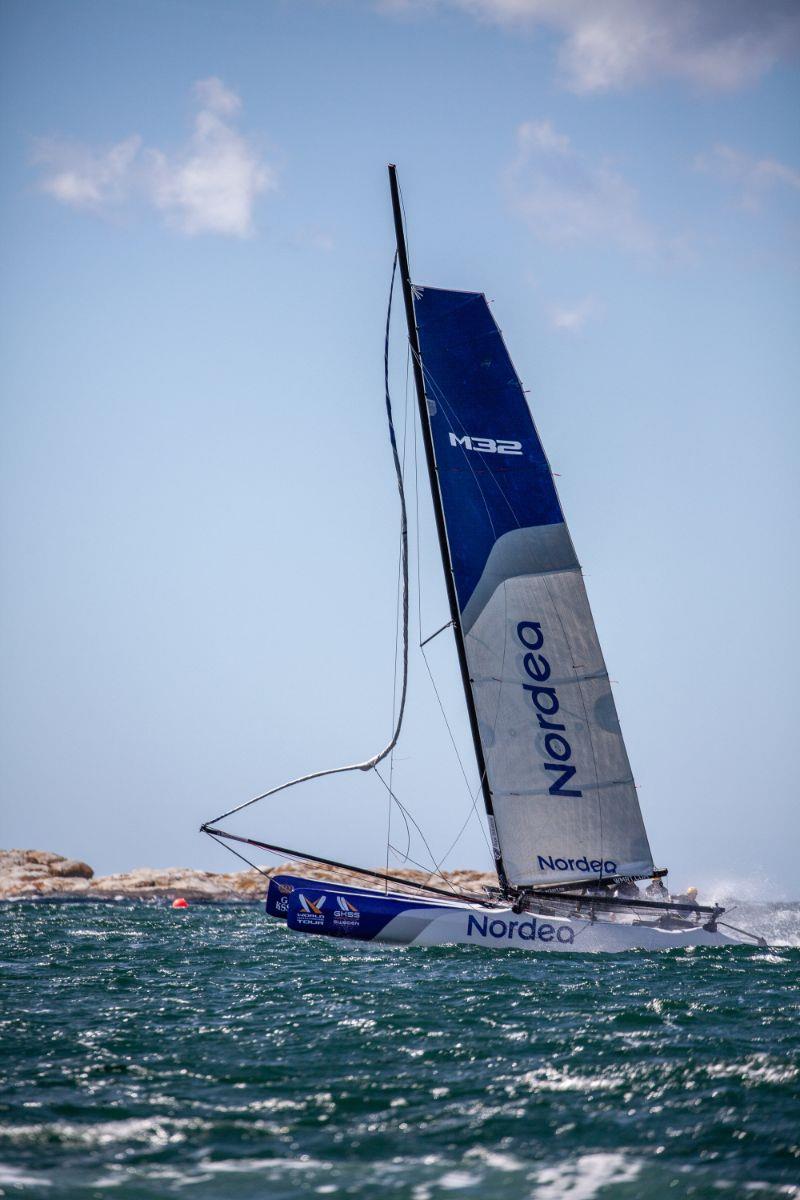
(486, 445)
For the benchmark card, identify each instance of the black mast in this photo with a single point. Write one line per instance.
(433, 475)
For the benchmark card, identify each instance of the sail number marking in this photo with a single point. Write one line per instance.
(545, 701)
(483, 445)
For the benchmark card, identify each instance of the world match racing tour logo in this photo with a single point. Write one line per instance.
(312, 912)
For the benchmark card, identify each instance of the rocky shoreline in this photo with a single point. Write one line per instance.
(43, 875)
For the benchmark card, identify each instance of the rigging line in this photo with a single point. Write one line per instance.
(452, 418)
(403, 813)
(402, 807)
(396, 643)
(431, 874)
(406, 856)
(394, 708)
(231, 850)
(756, 937)
(394, 701)
(369, 763)
(447, 723)
(415, 440)
(441, 629)
(422, 644)
(416, 506)
(473, 797)
(474, 811)
(465, 458)
(303, 856)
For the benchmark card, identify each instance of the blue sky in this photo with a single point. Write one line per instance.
(199, 514)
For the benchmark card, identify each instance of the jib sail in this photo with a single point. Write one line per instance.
(564, 800)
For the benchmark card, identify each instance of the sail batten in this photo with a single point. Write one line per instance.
(563, 799)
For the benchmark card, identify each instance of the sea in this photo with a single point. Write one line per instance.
(212, 1053)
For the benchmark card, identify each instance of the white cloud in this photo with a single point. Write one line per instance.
(754, 178)
(209, 186)
(212, 94)
(567, 198)
(572, 318)
(85, 178)
(212, 185)
(618, 43)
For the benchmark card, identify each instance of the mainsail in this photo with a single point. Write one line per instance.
(560, 784)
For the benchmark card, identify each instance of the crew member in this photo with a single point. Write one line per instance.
(655, 890)
(627, 890)
(602, 890)
(598, 888)
(687, 897)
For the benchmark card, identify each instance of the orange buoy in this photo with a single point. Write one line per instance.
(180, 903)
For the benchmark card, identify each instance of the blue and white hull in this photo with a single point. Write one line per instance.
(363, 914)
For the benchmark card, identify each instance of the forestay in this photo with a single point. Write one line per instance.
(564, 800)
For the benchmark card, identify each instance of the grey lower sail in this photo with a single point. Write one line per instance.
(564, 802)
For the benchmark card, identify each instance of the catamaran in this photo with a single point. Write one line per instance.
(561, 805)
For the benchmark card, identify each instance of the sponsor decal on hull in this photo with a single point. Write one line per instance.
(346, 915)
(277, 898)
(530, 929)
(310, 911)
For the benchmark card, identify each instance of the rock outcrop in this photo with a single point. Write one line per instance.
(32, 874)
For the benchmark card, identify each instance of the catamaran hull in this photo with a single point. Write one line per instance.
(361, 914)
(503, 929)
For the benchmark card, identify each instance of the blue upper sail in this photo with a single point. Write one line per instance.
(493, 473)
(564, 802)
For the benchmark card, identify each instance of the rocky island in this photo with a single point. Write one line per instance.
(43, 875)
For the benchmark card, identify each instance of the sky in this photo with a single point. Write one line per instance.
(199, 514)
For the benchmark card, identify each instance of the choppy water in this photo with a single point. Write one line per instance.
(148, 1053)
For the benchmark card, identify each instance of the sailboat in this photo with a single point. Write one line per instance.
(561, 805)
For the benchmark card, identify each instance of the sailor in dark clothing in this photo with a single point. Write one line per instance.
(598, 889)
(627, 890)
(655, 890)
(602, 890)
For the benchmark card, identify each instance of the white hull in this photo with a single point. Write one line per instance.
(312, 907)
(503, 929)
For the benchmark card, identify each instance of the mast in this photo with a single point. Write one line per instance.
(433, 475)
